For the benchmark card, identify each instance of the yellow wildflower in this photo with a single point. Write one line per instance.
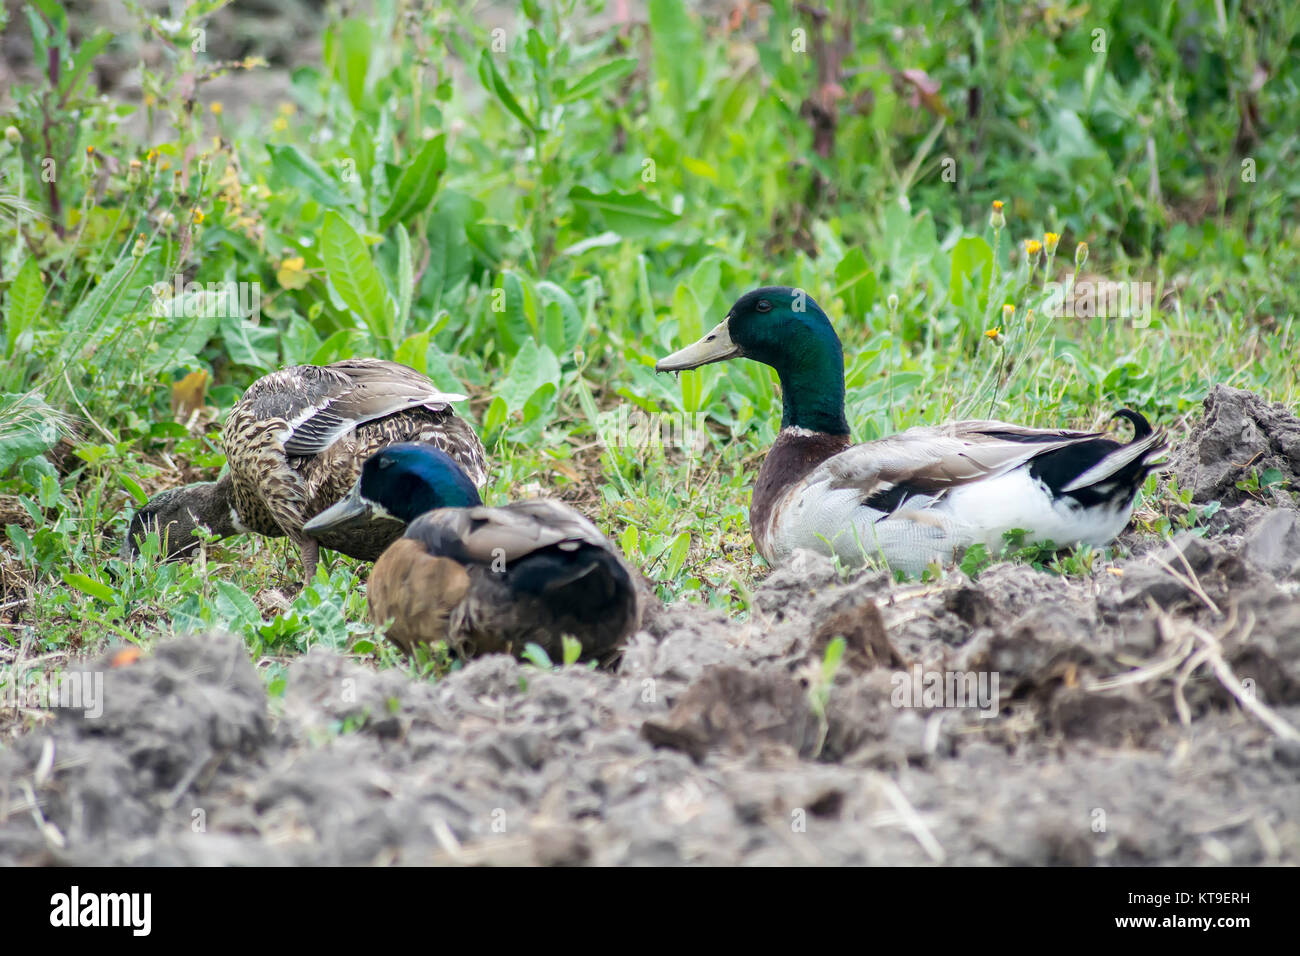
(197, 214)
(994, 333)
(292, 274)
(997, 219)
(1050, 242)
(280, 124)
(216, 107)
(1032, 248)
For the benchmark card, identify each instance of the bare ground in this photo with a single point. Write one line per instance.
(1147, 715)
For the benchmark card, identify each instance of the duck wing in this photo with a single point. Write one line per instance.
(484, 535)
(928, 460)
(326, 402)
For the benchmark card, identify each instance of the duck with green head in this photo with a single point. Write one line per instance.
(484, 580)
(925, 494)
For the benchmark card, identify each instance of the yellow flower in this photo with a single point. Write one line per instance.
(1029, 316)
(90, 150)
(287, 109)
(216, 107)
(997, 219)
(280, 124)
(1032, 248)
(150, 99)
(1050, 241)
(1008, 313)
(197, 213)
(291, 274)
(994, 333)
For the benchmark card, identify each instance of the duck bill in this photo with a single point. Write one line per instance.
(714, 347)
(351, 508)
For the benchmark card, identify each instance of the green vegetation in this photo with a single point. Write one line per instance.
(534, 215)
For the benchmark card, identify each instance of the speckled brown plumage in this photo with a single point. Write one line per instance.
(295, 442)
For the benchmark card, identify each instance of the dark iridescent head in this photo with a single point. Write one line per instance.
(403, 481)
(784, 328)
(177, 513)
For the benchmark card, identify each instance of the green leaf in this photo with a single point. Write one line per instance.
(417, 184)
(605, 73)
(22, 305)
(449, 255)
(572, 649)
(971, 254)
(256, 346)
(352, 58)
(86, 53)
(133, 489)
(233, 606)
(677, 553)
(855, 282)
(291, 165)
(414, 352)
(534, 366)
(537, 656)
(495, 84)
(405, 281)
(354, 276)
(628, 214)
(28, 427)
(677, 53)
(512, 300)
(88, 585)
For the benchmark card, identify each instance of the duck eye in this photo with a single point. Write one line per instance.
(763, 306)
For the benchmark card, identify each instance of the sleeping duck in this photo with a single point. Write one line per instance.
(294, 444)
(924, 494)
(485, 580)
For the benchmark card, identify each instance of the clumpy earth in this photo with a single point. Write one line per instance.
(1147, 714)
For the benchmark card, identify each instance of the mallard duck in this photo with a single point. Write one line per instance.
(295, 442)
(924, 494)
(485, 580)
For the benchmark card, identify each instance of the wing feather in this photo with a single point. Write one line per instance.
(351, 393)
(483, 535)
(930, 460)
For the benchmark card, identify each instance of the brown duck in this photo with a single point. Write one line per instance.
(295, 442)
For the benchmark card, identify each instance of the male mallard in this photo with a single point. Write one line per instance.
(924, 494)
(294, 444)
(485, 580)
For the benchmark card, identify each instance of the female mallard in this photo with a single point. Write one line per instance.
(294, 444)
(922, 495)
(485, 580)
